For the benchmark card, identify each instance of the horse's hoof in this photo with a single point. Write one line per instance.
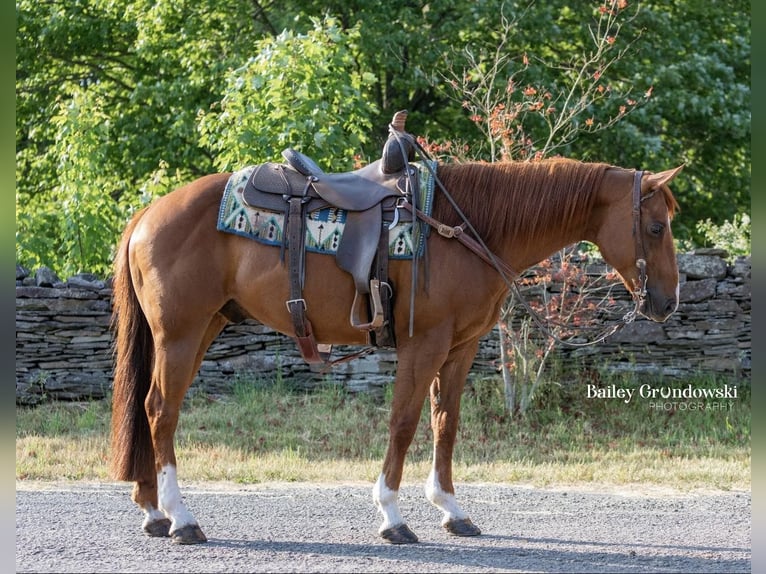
(189, 534)
(462, 527)
(400, 534)
(158, 528)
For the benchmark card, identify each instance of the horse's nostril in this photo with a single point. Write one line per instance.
(670, 305)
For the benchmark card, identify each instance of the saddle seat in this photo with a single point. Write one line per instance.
(356, 190)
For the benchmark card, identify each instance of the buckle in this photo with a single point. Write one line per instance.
(448, 231)
(292, 301)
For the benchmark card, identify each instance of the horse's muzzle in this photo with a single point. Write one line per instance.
(659, 308)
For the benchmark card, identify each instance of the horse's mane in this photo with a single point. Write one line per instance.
(520, 199)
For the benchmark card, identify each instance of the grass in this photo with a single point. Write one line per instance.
(269, 432)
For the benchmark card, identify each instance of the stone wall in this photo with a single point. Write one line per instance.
(709, 333)
(63, 341)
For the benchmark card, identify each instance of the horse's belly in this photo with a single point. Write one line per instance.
(263, 288)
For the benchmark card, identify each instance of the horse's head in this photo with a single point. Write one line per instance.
(634, 237)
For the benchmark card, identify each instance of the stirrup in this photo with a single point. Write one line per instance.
(377, 309)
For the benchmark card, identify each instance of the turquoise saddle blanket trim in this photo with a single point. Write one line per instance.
(324, 227)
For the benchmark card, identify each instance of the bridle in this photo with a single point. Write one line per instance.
(638, 294)
(508, 274)
(639, 291)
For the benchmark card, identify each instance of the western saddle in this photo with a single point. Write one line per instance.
(373, 198)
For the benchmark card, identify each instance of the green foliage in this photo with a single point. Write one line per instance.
(299, 90)
(107, 91)
(80, 213)
(520, 115)
(149, 72)
(733, 236)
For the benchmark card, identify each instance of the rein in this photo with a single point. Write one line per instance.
(507, 273)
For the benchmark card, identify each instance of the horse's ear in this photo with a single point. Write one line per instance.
(664, 177)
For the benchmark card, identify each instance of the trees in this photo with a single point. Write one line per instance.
(110, 96)
(696, 55)
(107, 91)
(529, 108)
(297, 90)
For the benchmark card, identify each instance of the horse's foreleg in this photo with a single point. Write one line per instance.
(417, 366)
(176, 363)
(445, 395)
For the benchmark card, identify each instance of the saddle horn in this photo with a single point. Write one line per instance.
(399, 147)
(399, 120)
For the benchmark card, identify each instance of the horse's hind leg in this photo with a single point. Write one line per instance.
(145, 496)
(177, 360)
(446, 392)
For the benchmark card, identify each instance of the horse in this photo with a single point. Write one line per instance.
(178, 282)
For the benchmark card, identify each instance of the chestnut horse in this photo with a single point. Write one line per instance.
(177, 280)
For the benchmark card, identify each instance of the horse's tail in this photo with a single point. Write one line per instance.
(132, 453)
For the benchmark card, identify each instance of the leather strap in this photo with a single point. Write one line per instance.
(638, 236)
(384, 335)
(296, 305)
(457, 233)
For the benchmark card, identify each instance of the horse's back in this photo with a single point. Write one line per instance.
(193, 205)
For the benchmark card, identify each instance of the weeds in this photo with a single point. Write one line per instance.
(267, 431)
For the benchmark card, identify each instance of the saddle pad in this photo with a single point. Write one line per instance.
(324, 227)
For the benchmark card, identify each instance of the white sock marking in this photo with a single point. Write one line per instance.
(387, 501)
(170, 500)
(444, 501)
(152, 514)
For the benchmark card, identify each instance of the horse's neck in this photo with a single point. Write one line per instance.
(506, 212)
(521, 252)
(521, 258)
(611, 194)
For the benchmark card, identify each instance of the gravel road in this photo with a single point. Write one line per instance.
(86, 527)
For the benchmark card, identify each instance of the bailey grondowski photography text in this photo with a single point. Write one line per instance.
(669, 397)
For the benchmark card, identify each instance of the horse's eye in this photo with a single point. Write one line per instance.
(656, 228)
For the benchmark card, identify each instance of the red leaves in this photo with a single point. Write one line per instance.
(566, 293)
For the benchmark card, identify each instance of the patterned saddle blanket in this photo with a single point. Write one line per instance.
(324, 227)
